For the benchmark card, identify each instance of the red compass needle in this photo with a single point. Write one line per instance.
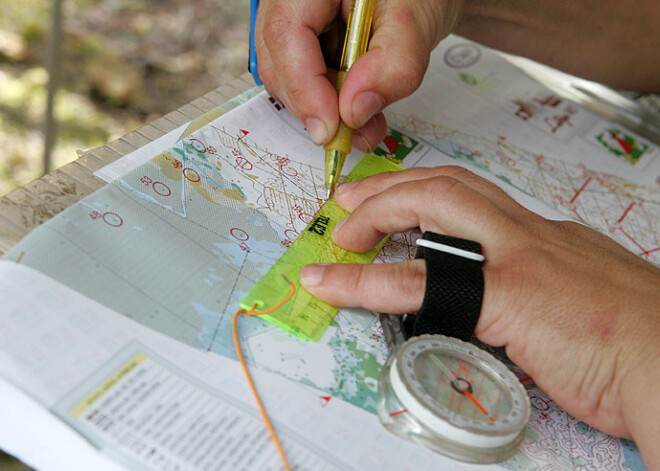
(474, 400)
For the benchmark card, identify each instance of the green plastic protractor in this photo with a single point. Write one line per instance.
(304, 315)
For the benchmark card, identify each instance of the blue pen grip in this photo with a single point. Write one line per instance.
(252, 66)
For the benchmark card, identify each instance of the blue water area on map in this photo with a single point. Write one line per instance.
(251, 255)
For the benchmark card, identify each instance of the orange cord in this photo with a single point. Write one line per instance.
(241, 359)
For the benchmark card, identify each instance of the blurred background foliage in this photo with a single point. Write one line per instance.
(125, 63)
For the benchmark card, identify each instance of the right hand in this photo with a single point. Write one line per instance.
(293, 69)
(574, 309)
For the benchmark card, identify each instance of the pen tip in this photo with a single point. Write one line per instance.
(328, 192)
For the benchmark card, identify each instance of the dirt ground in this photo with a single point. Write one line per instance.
(125, 63)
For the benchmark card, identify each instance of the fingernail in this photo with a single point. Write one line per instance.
(339, 225)
(346, 187)
(365, 105)
(311, 275)
(317, 130)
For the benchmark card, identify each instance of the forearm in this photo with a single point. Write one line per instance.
(608, 41)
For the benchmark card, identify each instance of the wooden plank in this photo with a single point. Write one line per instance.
(136, 139)
(98, 159)
(121, 146)
(191, 111)
(165, 125)
(178, 118)
(11, 212)
(245, 82)
(203, 104)
(25, 208)
(69, 185)
(27, 211)
(224, 94)
(150, 132)
(54, 199)
(235, 87)
(89, 156)
(87, 182)
(10, 235)
(215, 97)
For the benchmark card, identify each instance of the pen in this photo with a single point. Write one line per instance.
(355, 44)
(252, 65)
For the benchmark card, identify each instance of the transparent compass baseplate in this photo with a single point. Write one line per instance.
(425, 422)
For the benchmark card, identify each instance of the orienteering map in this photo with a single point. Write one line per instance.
(175, 243)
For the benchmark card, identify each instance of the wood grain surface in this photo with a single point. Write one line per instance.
(26, 208)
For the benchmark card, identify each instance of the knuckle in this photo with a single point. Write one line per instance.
(297, 92)
(399, 288)
(410, 74)
(457, 172)
(411, 278)
(449, 195)
(470, 178)
(275, 29)
(376, 181)
(363, 284)
(440, 187)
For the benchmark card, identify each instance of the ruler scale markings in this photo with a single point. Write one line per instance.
(305, 316)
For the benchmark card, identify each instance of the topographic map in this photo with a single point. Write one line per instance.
(586, 168)
(176, 242)
(626, 211)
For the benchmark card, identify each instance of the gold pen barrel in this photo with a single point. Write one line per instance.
(357, 32)
(355, 44)
(344, 137)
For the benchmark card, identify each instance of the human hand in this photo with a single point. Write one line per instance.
(603, 41)
(575, 310)
(293, 69)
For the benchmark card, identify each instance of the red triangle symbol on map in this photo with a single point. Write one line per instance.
(245, 133)
(626, 146)
(324, 400)
(391, 144)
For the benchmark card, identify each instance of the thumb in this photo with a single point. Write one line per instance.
(395, 288)
(404, 33)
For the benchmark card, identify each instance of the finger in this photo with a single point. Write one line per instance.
(371, 134)
(404, 33)
(440, 204)
(352, 194)
(291, 62)
(395, 288)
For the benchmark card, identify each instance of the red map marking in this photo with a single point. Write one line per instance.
(644, 252)
(625, 146)
(584, 185)
(625, 213)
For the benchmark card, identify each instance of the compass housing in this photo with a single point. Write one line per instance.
(419, 401)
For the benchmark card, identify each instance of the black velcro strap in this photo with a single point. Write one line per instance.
(454, 291)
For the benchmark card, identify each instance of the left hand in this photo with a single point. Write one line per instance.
(293, 69)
